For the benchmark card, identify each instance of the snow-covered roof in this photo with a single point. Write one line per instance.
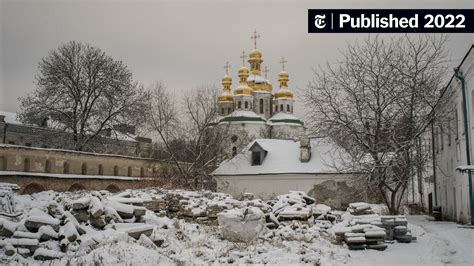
(243, 115)
(284, 118)
(10, 117)
(257, 79)
(283, 158)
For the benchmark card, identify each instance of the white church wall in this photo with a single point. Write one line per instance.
(260, 186)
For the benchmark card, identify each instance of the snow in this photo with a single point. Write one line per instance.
(74, 176)
(10, 117)
(257, 79)
(438, 243)
(243, 113)
(283, 157)
(185, 241)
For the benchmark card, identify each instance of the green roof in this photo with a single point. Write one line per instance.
(294, 121)
(241, 119)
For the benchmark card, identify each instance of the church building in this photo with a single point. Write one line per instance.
(252, 109)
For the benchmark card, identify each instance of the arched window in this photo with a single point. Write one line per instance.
(66, 168)
(234, 151)
(288, 108)
(116, 170)
(261, 106)
(228, 110)
(142, 172)
(239, 104)
(281, 107)
(222, 111)
(26, 165)
(246, 104)
(47, 166)
(276, 108)
(101, 169)
(129, 172)
(84, 169)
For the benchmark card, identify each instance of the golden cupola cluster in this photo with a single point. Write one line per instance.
(251, 80)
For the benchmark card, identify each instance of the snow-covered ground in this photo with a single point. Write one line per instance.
(438, 243)
(188, 242)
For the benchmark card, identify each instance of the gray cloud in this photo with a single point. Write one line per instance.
(184, 44)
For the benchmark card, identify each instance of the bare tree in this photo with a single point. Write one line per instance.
(83, 92)
(191, 139)
(376, 103)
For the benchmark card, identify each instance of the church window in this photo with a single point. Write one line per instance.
(261, 106)
(276, 108)
(234, 138)
(228, 110)
(101, 169)
(142, 172)
(129, 171)
(234, 151)
(287, 107)
(239, 104)
(116, 170)
(246, 104)
(281, 107)
(222, 111)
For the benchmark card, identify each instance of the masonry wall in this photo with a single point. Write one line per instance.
(38, 160)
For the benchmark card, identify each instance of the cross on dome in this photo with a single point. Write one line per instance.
(283, 62)
(254, 37)
(227, 67)
(265, 71)
(243, 56)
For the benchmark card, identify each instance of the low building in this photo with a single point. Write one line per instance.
(269, 167)
(38, 169)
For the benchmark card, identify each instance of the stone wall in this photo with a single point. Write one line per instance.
(39, 160)
(43, 137)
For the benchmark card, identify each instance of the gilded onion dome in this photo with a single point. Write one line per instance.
(226, 96)
(243, 88)
(283, 92)
(255, 80)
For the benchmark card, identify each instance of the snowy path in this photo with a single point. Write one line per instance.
(438, 243)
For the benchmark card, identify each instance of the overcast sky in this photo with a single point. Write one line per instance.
(181, 43)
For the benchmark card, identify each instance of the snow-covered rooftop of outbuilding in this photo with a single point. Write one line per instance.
(283, 158)
(10, 117)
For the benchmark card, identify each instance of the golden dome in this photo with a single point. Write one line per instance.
(284, 93)
(243, 71)
(243, 89)
(255, 54)
(225, 97)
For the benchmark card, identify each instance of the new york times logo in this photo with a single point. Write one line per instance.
(319, 21)
(390, 20)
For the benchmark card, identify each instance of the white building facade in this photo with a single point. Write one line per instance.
(452, 145)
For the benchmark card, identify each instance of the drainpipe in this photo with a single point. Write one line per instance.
(460, 77)
(433, 148)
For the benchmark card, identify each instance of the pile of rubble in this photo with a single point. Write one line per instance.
(49, 233)
(366, 229)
